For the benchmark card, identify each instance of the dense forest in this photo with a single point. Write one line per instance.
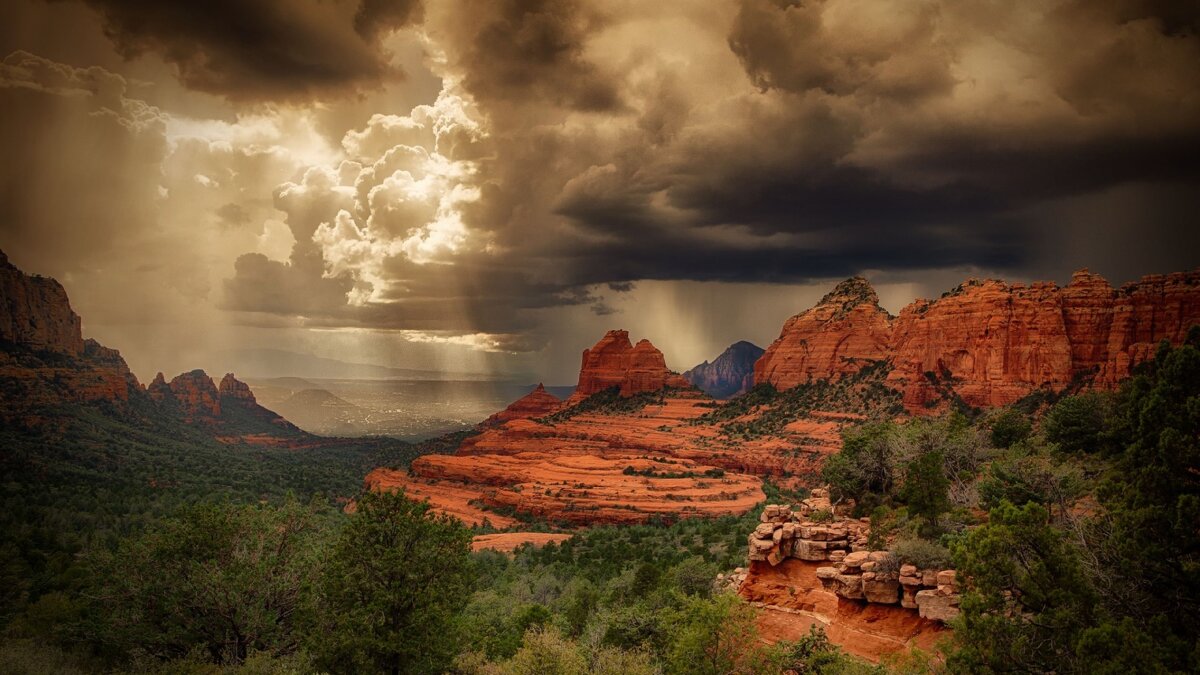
(1075, 524)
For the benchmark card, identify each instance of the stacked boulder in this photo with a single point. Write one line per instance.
(856, 573)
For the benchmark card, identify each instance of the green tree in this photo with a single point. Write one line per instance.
(717, 636)
(1009, 427)
(1077, 423)
(396, 579)
(864, 466)
(1153, 498)
(926, 490)
(227, 579)
(1027, 600)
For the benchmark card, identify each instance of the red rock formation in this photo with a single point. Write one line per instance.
(833, 338)
(233, 388)
(196, 395)
(995, 342)
(35, 312)
(537, 403)
(1159, 307)
(615, 362)
(989, 342)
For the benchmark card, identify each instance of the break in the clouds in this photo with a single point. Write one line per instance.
(581, 154)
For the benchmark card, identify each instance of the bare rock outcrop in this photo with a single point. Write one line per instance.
(854, 572)
(845, 330)
(615, 362)
(232, 388)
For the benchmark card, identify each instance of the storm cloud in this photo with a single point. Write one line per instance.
(584, 154)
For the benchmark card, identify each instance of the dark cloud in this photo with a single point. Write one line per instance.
(262, 49)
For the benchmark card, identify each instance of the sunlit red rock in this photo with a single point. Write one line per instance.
(537, 403)
(615, 362)
(837, 336)
(987, 342)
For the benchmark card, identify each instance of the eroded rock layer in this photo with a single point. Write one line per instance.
(988, 342)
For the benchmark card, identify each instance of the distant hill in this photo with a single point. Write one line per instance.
(732, 372)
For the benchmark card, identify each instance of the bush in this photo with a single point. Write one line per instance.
(922, 553)
(821, 516)
(1077, 423)
(1010, 427)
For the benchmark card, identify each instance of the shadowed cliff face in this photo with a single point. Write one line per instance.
(990, 342)
(732, 372)
(46, 365)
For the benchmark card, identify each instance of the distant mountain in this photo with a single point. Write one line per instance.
(732, 372)
(278, 363)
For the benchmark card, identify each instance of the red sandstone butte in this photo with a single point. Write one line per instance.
(196, 394)
(989, 341)
(830, 340)
(537, 403)
(615, 362)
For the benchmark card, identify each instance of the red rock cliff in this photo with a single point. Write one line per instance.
(35, 312)
(233, 388)
(829, 340)
(989, 341)
(615, 362)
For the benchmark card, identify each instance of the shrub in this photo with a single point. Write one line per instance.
(923, 553)
(821, 516)
(1077, 423)
(1010, 427)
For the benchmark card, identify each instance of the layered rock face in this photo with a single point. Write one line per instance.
(35, 313)
(196, 395)
(537, 403)
(846, 329)
(732, 372)
(850, 571)
(615, 362)
(988, 342)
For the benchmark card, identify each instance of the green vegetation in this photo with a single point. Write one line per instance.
(154, 550)
(611, 402)
(864, 392)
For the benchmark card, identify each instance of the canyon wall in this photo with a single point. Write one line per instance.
(988, 342)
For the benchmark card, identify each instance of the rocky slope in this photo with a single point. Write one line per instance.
(614, 362)
(537, 403)
(732, 372)
(986, 342)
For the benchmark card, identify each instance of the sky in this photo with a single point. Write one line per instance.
(489, 186)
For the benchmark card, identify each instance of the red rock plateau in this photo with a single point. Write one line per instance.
(988, 342)
(507, 542)
(537, 403)
(597, 466)
(615, 362)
